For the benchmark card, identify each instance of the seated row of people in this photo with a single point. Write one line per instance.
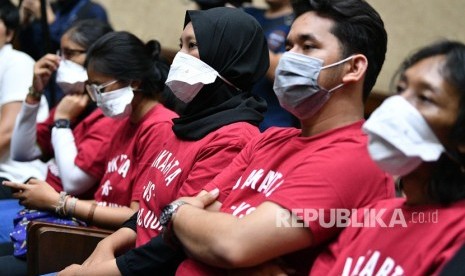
(125, 83)
(210, 185)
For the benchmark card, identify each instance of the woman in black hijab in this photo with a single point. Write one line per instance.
(223, 53)
(235, 48)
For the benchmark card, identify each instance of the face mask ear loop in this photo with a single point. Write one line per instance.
(336, 63)
(332, 65)
(226, 81)
(334, 88)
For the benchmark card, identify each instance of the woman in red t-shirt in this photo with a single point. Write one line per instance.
(417, 135)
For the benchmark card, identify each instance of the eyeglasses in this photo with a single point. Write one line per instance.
(68, 53)
(95, 91)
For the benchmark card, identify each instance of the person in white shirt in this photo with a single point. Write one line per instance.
(16, 69)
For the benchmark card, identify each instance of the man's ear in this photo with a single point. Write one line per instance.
(358, 67)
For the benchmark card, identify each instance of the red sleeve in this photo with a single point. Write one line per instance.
(94, 145)
(225, 180)
(212, 161)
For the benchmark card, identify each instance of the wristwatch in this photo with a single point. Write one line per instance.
(62, 123)
(35, 95)
(169, 211)
(166, 220)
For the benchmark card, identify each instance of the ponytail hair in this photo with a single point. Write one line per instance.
(125, 57)
(160, 65)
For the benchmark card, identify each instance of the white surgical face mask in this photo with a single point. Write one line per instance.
(296, 84)
(117, 103)
(71, 77)
(399, 137)
(188, 75)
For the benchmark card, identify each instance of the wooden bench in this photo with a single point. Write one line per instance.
(52, 247)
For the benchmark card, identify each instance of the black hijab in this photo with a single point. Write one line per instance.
(233, 43)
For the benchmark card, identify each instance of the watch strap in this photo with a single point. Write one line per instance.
(166, 220)
(62, 123)
(169, 211)
(34, 94)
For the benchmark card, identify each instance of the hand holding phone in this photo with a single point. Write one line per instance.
(15, 187)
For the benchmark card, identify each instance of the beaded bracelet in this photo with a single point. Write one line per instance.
(60, 207)
(34, 94)
(71, 206)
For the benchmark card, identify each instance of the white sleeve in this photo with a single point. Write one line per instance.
(74, 180)
(24, 138)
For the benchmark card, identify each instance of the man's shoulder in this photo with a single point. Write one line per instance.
(279, 132)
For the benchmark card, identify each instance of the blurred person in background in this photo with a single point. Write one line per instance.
(37, 37)
(78, 130)
(75, 136)
(276, 22)
(16, 70)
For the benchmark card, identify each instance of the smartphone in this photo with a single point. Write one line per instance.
(12, 190)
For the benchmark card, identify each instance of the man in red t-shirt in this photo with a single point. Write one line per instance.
(324, 166)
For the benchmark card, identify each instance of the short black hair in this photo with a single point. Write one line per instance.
(9, 14)
(359, 29)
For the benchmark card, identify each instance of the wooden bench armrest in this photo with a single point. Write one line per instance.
(52, 247)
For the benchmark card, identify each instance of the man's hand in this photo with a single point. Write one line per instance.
(29, 11)
(202, 200)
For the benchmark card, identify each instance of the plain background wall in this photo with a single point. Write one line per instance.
(409, 23)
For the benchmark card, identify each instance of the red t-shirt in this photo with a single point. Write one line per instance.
(91, 136)
(403, 240)
(329, 170)
(129, 148)
(182, 168)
